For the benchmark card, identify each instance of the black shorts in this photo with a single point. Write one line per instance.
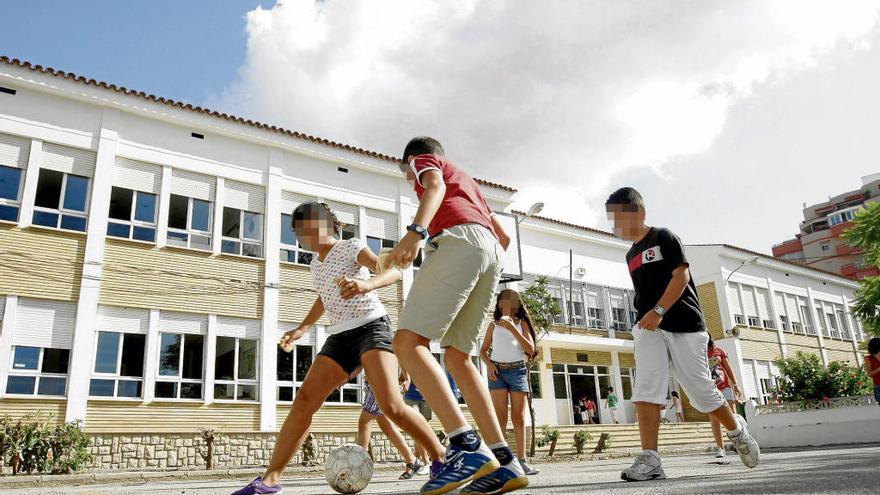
(345, 348)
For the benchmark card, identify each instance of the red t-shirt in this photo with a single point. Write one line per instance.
(463, 202)
(875, 363)
(717, 371)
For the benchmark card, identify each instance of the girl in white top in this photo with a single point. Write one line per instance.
(360, 337)
(510, 340)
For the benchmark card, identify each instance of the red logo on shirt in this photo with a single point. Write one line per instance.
(649, 255)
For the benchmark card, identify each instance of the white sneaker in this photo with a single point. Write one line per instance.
(528, 468)
(746, 446)
(424, 469)
(720, 453)
(645, 467)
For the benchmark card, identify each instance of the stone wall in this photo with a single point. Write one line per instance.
(231, 450)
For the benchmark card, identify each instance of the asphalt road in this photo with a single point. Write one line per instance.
(848, 469)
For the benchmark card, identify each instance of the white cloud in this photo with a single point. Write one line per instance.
(555, 98)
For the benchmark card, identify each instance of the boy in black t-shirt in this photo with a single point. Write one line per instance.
(670, 332)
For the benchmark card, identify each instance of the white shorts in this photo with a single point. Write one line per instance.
(728, 394)
(684, 353)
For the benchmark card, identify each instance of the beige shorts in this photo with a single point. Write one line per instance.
(454, 289)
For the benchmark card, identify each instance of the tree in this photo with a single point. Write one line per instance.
(865, 235)
(543, 309)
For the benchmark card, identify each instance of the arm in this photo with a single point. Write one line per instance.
(680, 278)
(292, 336)
(731, 379)
(484, 352)
(357, 287)
(408, 247)
(503, 238)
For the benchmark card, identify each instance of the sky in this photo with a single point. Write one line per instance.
(727, 116)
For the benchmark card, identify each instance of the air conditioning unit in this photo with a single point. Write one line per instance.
(581, 271)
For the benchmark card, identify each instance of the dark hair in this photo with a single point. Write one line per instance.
(874, 345)
(422, 145)
(711, 344)
(627, 197)
(317, 211)
(610, 389)
(522, 313)
(675, 394)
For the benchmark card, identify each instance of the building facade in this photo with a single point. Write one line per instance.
(759, 308)
(819, 243)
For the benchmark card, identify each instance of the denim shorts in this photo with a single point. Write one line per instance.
(511, 378)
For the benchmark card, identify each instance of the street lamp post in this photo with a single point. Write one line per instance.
(744, 263)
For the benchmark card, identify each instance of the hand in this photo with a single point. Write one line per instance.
(492, 373)
(406, 251)
(736, 392)
(507, 323)
(404, 386)
(354, 287)
(650, 321)
(290, 337)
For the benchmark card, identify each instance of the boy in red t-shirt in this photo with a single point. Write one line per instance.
(449, 301)
(725, 382)
(872, 365)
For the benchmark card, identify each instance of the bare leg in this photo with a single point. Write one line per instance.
(518, 416)
(649, 424)
(499, 402)
(324, 375)
(476, 394)
(396, 439)
(381, 369)
(724, 416)
(416, 358)
(365, 429)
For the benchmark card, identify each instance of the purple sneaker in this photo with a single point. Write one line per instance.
(258, 487)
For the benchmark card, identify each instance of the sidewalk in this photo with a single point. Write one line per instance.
(141, 476)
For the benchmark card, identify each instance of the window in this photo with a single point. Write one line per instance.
(291, 370)
(754, 321)
(808, 320)
(180, 366)
(242, 233)
(38, 370)
(291, 252)
(10, 193)
(832, 323)
(844, 327)
(132, 215)
(767, 388)
(844, 216)
(797, 327)
(597, 317)
(618, 319)
(61, 200)
(769, 324)
(235, 370)
(189, 222)
(559, 319)
(784, 321)
(560, 387)
(119, 365)
(626, 379)
(376, 245)
(739, 319)
(577, 310)
(825, 246)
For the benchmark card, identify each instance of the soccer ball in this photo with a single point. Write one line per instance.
(348, 468)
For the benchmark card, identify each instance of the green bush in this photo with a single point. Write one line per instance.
(804, 379)
(580, 441)
(32, 444)
(550, 433)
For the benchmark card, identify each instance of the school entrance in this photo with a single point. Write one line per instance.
(574, 386)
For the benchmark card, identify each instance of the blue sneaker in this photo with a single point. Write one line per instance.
(502, 480)
(460, 467)
(257, 487)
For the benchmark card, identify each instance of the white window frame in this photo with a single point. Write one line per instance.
(739, 319)
(237, 382)
(37, 373)
(179, 380)
(132, 223)
(116, 377)
(769, 324)
(190, 231)
(616, 323)
(240, 241)
(61, 211)
(295, 384)
(784, 321)
(754, 321)
(15, 203)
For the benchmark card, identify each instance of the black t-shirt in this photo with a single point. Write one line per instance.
(651, 262)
